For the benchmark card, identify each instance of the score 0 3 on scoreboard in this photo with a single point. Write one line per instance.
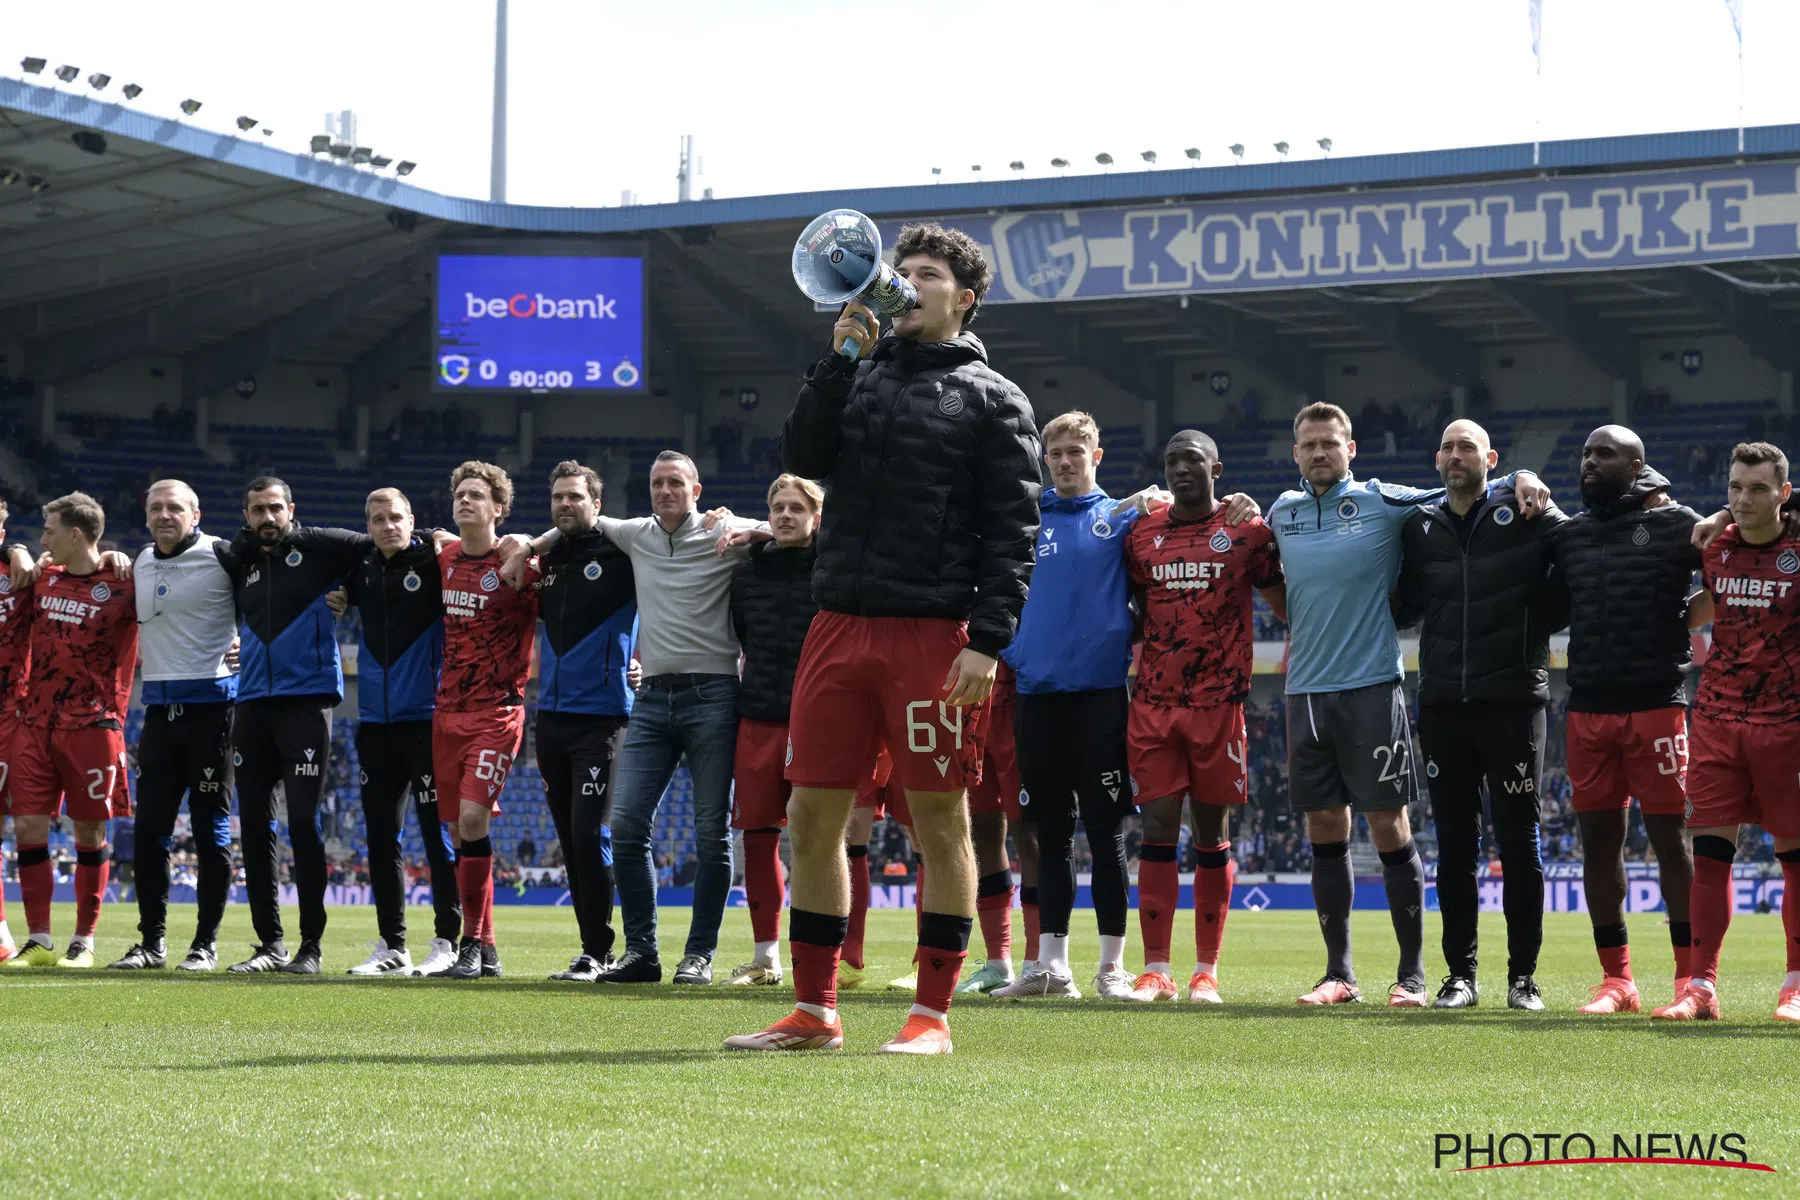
(539, 322)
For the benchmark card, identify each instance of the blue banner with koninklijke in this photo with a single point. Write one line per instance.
(1514, 227)
(1753, 889)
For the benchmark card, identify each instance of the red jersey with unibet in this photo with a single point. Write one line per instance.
(488, 631)
(1752, 673)
(15, 643)
(84, 640)
(1197, 578)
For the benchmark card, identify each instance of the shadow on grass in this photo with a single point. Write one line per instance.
(522, 1058)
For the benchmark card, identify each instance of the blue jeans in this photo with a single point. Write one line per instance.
(698, 721)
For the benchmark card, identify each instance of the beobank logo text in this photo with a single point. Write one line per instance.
(527, 304)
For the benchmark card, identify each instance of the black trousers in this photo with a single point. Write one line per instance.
(185, 751)
(1072, 763)
(395, 759)
(1502, 745)
(282, 740)
(577, 755)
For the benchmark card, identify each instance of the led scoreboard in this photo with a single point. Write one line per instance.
(540, 320)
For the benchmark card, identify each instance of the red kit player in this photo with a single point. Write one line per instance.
(15, 664)
(69, 753)
(1193, 575)
(1745, 734)
(480, 721)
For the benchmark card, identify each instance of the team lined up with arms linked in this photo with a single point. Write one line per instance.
(881, 651)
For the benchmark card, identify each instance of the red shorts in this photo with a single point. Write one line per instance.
(1614, 757)
(1197, 752)
(869, 683)
(759, 792)
(887, 799)
(9, 731)
(471, 754)
(998, 788)
(1745, 774)
(82, 769)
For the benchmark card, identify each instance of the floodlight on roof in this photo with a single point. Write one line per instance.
(33, 66)
(976, 168)
(246, 123)
(1148, 156)
(1017, 164)
(1325, 145)
(190, 107)
(67, 73)
(98, 80)
(405, 168)
(341, 149)
(1281, 148)
(1237, 149)
(1103, 158)
(937, 170)
(380, 161)
(1059, 163)
(321, 142)
(132, 91)
(361, 154)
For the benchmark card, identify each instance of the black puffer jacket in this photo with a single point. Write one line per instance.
(1628, 571)
(1479, 591)
(931, 457)
(771, 608)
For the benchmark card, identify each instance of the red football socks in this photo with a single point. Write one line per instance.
(1213, 881)
(765, 886)
(943, 945)
(37, 883)
(92, 867)
(1615, 961)
(1159, 889)
(859, 907)
(1709, 909)
(814, 941)
(993, 905)
(1790, 907)
(475, 883)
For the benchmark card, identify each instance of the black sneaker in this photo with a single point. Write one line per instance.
(306, 962)
(694, 970)
(490, 962)
(262, 960)
(585, 969)
(201, 956)
(633, 968)
(468, 961)
(1524, 994)
(1457, 992)
(142, 958)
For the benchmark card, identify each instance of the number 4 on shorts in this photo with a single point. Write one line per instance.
(921, 735)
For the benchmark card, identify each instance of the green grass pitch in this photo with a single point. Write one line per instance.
(335, 1087)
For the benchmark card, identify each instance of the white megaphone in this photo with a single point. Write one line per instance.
(838, 259)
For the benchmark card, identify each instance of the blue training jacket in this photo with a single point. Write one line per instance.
(1075, 632)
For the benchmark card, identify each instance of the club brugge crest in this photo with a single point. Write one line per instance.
(293, 558)
(951, 404)
(1347, 509)
(591, 571)
(1134, 787)
(1430, 769)
(101, 593)
(412, 582)
(1503, 515)
(1102, 528)
(490, 582)
(1788, 562)
(1640, 536)
(1024, 798)
(5, 584)
(1041, 255)
(1220, 542)
(162, 591)
(237, 758)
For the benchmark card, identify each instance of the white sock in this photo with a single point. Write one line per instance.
(919, 1010)
(80, 941)
(1201, 968)
(1112, 952)
(1053, 953)
(827, 1015)
(765, 953)
(1029, 965)
(1701, 983)
(1792, 980)
(1151, 968)
(1002, 965)
(6, 938)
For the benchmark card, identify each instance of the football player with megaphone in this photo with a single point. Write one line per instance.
(930, 456)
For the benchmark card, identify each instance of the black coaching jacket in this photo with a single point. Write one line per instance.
(931, 459)
(1627, 571)
(771, 608)
(1480, 591)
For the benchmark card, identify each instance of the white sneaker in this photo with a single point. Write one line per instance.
(382, 961)
(754, 973)
(1113, 985)
(1038, 982)
(441, 958)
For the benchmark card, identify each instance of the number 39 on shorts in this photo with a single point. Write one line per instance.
(921, 735)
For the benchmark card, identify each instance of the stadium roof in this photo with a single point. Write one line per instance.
(232, 253)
